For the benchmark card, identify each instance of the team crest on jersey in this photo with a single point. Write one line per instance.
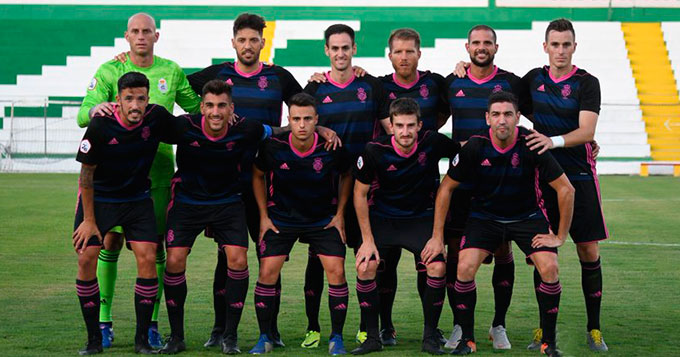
(93, 84)
(361, 94)
(515, 160)
(497, 88)
(360, 162)
(146, 133)
(455, 160)
(230, 145)
(85, 146)
(424, 92)
(317, 165)
(262, 82)
(422, 158)
(566, 91)
(163, 85)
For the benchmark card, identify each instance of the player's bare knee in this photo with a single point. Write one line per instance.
(335, 274)
(549, 271)
(369, 272)
(87, 265)
(588, 252)
(466, 269)
(240, 262)
(436, 269)
(176, 262)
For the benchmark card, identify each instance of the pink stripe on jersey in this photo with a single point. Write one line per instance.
(593, 164)
(564, 77)
(399, 152)
(246, 74)
(298, 152)
(122, 123)
(539, 196)
(485, 79)
(339, 85)
(208, 136)
(407, 85)
(498, 148)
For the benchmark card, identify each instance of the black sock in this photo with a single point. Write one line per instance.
(451, 273)
(175, 296)
(591, 282)
(313, 291)
(145, 297)
(433, 302)
(276, 306)
(338, 299)
(387, 286)
(466, 299)
(537, 283)
(503, 281)
(367, 294)
(88, 295)
(219, 291)
(237, 288)
(265, 295)
(549, 295)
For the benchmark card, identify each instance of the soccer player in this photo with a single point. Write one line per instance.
(564, 107)
(506, 205)
(206, 192)
(429, 90)
(403, 168)
(356, 109)
(169, 86)
(300, 203)
(467, 96)
(116, 153)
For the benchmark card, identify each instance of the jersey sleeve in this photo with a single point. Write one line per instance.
(590, 96)
(311, 89)
(382, 101)
(446, 147)
(185, 96)
(175, 128)
(289, 84)
(443, 100)
(525, 101)
(262, 159)
(344, 160)
(88, 150)
(548, 168)
(199, 79)
(365, 167)
(463, 164)
(99, 90)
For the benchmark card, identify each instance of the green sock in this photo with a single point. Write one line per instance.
(107, 271)
(160, 270)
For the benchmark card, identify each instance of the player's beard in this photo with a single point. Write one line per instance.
(502, 136)
(489, 60)
(249, 62)
(134, 111)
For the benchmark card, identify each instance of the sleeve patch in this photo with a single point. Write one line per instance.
(93, 84)
(85, 146)
(455, 160)
(360, 162)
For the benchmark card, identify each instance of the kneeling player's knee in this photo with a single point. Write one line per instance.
(436, 269)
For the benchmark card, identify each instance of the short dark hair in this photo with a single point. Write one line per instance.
(337, 29)
(249, 21)
(302, 99)
(133, 80)
(404, 106)
(482, 28)
(404, 34)
(217, 87)
(560, 25)
(502, 97)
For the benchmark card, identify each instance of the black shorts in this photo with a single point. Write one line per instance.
(488, 235)
(137, 219)
(409, 233)
(459, 210)
(352, 230)
(226, 223)
(587, 224)
(321, 241)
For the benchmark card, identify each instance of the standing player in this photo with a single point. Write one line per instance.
(299, 203)
(116, 155)
(170, 86)
(429, 90)
(404, 168)
(564, 107)
(356, 109)
(506, 206)
(206, 192)
(467, 96)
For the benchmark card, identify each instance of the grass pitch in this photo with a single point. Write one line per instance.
(39, 312)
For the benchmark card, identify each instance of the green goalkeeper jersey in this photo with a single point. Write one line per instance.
(167, 85)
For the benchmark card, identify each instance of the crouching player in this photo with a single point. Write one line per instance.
(299, 202)
(506, 205)
(403, 170)
(206, 193)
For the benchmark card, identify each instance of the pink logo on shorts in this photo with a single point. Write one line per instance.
(515, 160)
(170, 237)
(317, 165)
(424, 92)
(146, 133)
(230, 145)
(566, 91)
(462, 242)
(361, 94)
(422, 159)
(262, 245)
(497, 88)
(262, 82)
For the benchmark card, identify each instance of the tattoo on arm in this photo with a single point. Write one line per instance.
(87, 176)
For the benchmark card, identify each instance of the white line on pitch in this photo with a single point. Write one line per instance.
(641, 243)
(640, 199)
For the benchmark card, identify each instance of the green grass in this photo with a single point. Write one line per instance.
(640, 314)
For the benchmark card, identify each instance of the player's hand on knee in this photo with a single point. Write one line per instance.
(461, 69)
(538, 141)
(121, 57)
(338, 222)
(546, 240)
(266, 224)
(432, 249)
(358, 71)
(317, 78)
(82, 234)
(364, 254)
